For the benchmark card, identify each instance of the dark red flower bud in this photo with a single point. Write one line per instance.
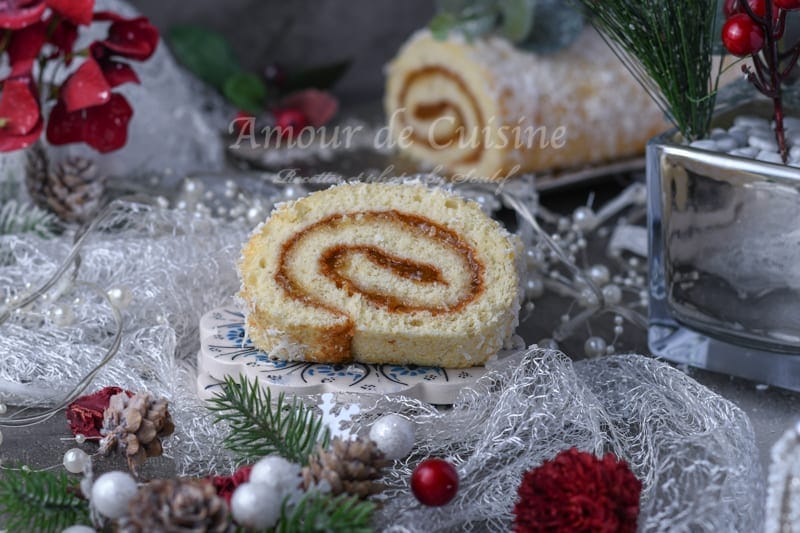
(133, 38)
(103, 127)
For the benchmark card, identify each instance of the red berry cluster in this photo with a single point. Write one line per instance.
(753, 28)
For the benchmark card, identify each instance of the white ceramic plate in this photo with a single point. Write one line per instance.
(225, 352)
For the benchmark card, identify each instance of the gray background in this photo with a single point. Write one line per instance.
(306, 32)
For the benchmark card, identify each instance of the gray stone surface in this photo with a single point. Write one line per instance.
(306, 32)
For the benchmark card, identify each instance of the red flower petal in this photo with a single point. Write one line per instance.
(318, 106)
(103, 127)
(18, 14)
(117, 73)
(103, 16)
(86, 87)
(9, 142)
(76, 11)
(134, 38)
(24, 48)
(85, 414)
(63, 36)
(19, 108)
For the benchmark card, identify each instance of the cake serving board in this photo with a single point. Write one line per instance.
(225, 351)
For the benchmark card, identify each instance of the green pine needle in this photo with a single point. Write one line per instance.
(40, 501)
(260, 428)
(668, 46)
(322, 512)
(16, 218)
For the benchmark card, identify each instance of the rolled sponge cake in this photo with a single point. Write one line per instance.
(381, 273)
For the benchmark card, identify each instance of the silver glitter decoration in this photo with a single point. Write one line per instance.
(783, 496)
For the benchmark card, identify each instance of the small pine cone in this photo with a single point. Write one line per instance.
(72, 189)
(173, 505)
(349, 466)
(136, 425)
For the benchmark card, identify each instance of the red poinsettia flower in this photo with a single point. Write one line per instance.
(76, 11)
(24, 48)
(85, 414)
(18, 14)
(103, 127)
(20, 119)
(134, 38)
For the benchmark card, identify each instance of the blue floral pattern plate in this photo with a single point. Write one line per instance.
(226, 351)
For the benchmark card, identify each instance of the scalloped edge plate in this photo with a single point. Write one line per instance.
(225, 351)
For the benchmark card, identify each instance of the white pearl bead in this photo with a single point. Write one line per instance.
(254, 506)
(599, 274)
(584, 218)
(121, 297)
(80, 439)
(587, 297)
(281, 475)
(1, 437)
(394, 435)
(79, 529)
(534, 287)
(75, 460)
(618, 330)
(3, 408)
(594, 346)
(612, 294)
(62, 315)
(112, 492)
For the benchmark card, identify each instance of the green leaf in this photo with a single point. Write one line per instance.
(441, 25)
(206, 53)
(246, 91)
(40, 501)
(319, 77)
(261, 427)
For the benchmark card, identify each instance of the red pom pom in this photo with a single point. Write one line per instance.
(577, 492)
(289, 121)
(434, 482)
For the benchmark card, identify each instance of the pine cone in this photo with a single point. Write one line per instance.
(136, 425)
(173, 505)
(349, 466)
(72, 189)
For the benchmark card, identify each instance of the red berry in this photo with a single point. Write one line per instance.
(289, 121)
(742, 36)
(732, 7)
(434, 482)
(786, 4)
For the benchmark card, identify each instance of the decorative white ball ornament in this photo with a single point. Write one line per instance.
(394, 436)
(112, 492)
(279, 474)
(256, 506)
(75, 460)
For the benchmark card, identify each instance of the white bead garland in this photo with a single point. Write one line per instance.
(394, 435)
(256, 506)
(75, 460)
(112, 492)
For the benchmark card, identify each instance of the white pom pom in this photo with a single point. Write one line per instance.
(394, 436)
(256, 506)
(281, 475)
(79, 529)
(112, 492)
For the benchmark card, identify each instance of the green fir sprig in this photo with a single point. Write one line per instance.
(16, 218)
(668, 46)
(317, 511)
(40, 501)
(261, 427)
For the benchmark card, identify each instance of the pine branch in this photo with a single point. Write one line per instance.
(18, 218)
(259, 427)
(671, 45)
(322, 512)
(40, 501)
